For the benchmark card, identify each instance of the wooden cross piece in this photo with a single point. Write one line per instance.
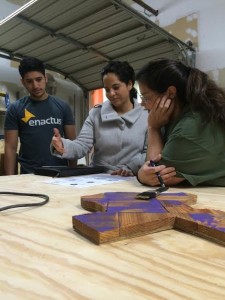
(119, 215)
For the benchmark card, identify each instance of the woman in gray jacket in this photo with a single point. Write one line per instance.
(117, 129)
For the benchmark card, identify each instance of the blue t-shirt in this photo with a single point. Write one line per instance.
(35, 121)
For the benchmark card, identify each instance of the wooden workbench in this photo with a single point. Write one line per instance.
(41, 257)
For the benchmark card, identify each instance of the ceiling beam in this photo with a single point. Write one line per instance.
(9, 55)
(148, 23)
(62, 37)
(147, 7)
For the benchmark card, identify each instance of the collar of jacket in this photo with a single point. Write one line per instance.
(108, 113)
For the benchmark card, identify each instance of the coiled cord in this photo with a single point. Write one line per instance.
(25, 204)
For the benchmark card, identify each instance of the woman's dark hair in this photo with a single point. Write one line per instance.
(30, 64)
(125, 73)
(193, 86)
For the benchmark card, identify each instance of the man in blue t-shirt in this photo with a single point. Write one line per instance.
(32, 119)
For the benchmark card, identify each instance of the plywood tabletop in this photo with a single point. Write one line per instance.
(41, 257)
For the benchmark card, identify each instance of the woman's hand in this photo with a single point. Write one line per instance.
(57, 141)
(122, 172)
(161, 112)
(147, 174)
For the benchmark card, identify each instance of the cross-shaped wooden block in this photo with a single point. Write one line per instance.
(119, 215)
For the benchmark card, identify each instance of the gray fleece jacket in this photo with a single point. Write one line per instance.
(119, 141)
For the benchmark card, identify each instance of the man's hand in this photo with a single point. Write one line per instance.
(57, 141)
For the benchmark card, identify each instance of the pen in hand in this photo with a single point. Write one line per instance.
(162, 184)
(147, 195)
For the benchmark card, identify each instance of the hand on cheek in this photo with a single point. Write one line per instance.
(161, 112)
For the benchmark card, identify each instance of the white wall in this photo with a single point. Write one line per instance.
(211, 54)
(8, 73)
(211, 25)
(6, 8)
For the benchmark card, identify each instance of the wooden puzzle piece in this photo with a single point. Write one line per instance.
(119, 215)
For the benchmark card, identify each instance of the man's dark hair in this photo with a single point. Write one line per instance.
(30, 64)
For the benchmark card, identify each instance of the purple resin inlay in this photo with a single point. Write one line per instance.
(174, 194)
(173, 202)
(152, 206)
(100, 221)
(207, 219)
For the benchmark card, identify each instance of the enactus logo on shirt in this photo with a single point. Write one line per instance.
(29, 118)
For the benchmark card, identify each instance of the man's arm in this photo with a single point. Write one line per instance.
(11, 142)
(70, 133)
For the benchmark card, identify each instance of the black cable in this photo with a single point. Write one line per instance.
(25, 204)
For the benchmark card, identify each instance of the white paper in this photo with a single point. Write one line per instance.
(88, 180)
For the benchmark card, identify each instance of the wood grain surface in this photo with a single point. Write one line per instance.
(41, 257)
(121, 215)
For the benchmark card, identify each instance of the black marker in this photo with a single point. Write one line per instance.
(162, 184)
(148, 195)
